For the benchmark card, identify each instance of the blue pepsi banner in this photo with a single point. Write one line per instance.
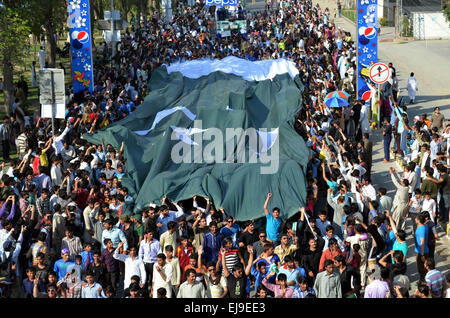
(80, 41)
(367, 45)
(221, 3)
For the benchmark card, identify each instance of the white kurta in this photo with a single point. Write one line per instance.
(159, 282)
(364, 119)
(132, 267)
(412, 88)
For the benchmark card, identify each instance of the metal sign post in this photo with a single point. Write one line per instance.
(379, 73)
(53, 102)
(379, 106)
(52, 94)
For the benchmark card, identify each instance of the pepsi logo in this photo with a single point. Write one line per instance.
(370, 32)
(83, 36)
(363, 40)
(366, 95)
(77, 44)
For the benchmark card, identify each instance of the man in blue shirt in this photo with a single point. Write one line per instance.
(87, 255)
(421, 245)
(231, 230)
(61, 265)
(273, 222)
(115, 234)
(260, 272)
(212, 242)
(28, 283)
(166, 216)
(123, 109)
(130, 105)
(291, 271)
(92, 289)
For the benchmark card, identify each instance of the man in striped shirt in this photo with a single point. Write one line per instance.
(22, 145)
(434, 278)
(232, 255)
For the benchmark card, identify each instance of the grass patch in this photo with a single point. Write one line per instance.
(350, 14)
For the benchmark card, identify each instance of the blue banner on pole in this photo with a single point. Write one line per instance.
(367, 44)
(80, 41)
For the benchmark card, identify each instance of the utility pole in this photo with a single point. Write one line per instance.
(113, 46)
(400, 14)
(397, 18)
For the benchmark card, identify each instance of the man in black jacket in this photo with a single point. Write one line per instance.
(311, 258)
(346, 274)
(304, 231)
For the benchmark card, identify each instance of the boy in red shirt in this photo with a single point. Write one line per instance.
(183, 252)
(355, 260)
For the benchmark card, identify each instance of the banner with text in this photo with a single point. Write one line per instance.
(367, 44)
(221, 3)
(80, 41)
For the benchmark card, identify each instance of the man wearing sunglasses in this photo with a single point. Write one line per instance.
(258, 247)
(52, 290)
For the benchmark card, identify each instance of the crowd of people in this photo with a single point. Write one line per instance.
(65, 231)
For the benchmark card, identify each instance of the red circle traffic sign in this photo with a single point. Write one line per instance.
(379, 73)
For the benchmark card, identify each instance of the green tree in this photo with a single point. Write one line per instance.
(52, 16)
(447, 11)
(14, 32)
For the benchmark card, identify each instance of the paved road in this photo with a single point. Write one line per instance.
(430, 63)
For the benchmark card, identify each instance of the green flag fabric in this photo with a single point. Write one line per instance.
(181, 113)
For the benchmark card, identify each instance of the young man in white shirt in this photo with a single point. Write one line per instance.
(415, 206)
(162, 276)
(429, 204)
(133, 265)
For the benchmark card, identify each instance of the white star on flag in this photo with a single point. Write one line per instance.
(79, 54)
(87, 67)
(368, 18)
(365, 49)
(75, 4)
(84, 5)
(83, 60)
(363, 2)
(80, 22)
(369, 56)
(84, 13)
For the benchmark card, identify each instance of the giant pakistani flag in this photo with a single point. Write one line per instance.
(180, 141)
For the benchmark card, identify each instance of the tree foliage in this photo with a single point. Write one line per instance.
(14, 32)
(447, 11)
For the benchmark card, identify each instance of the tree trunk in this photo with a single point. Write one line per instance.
(97, 7)
(92, 31)
(144, 6)
(138, 16)
(52, 42)
(8, 89)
